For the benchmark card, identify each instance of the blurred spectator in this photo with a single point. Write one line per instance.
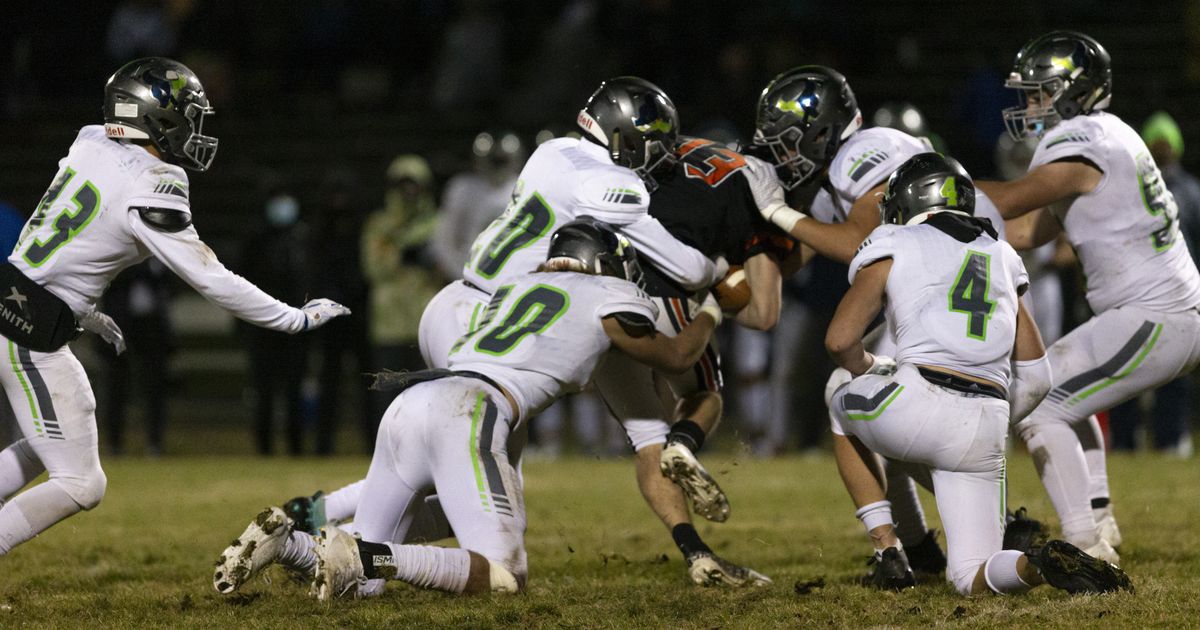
(394, 242)
(276, 260)
(1172, 408)
(336, 247)
(474, 198)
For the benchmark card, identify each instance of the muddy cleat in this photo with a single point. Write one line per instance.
(708, 569)
(1109, 532)
(339, 566)
(307, 513)
(926, 556)
(680, 466)
(1066, 567)
(892, 571)
(1023, 533)
(257, 547)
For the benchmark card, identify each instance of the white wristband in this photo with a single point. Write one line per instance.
(784, 216)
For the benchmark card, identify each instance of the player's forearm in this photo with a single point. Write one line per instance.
(765, 281)
(688, 345)
(836, 241)
(681, 263)
(853, 357)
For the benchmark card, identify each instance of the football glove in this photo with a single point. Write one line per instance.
(318, 312)
(96, 322)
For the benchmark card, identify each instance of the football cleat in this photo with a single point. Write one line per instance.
(1109, 532)
(339, 566)
(1066, 567)
(708, 569)
(680, 466)
(1105, 552)
(262, 542)
(926, 556)
(892, 571)
(1023, 533)
(307, 513)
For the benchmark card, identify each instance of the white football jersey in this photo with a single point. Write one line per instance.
(87, 229)
(1126, 231)
(564, 179)
(471, 202)
(949, 304)
(542, 336)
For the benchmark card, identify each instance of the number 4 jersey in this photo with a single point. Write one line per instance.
(949, 304)
(1126, 231)
(112, 205)
(542, 336)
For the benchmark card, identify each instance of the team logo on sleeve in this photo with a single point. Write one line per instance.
(863, 246)
(622, 195)
(171, 187)
(1068, 137)
(866, 162)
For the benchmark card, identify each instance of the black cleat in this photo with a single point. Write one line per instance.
(891, 571)
(1023, 533)
(1066, 567)
(926, 556)
(307, 513)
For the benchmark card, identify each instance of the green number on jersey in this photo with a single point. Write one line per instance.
(527, 224)
(950, 193)
(1158, 201)
(969, 294)
(535, 311)
(67, 224)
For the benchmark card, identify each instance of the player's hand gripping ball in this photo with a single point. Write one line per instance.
(733, 292)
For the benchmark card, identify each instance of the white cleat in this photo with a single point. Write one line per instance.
(1109, 532)
(1105, 552)
(708, 569)
(339, 566)
(708, 500)
(262, 542)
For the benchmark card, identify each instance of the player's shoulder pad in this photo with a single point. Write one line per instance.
(1079, 136)
(614, 192)
(881, 243)
(869, 157)
(169, 220)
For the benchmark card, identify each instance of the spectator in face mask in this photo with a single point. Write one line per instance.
(276, 257)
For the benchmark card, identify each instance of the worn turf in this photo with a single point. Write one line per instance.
(598, 558)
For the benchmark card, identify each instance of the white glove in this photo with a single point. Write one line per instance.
(720, 267)
(768, 194)
(96, 322)
(710, 306)
(840, 377)
(318, 312)
(883, 366)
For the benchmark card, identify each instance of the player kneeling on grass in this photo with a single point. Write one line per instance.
(543, 335)
(951, 290)
(120, 196)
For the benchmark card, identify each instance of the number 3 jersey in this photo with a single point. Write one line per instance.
(89, 226)
(564, 179)
(542, 336)
(1126, 231)
(949, 303)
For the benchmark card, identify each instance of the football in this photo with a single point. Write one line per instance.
(733, 292)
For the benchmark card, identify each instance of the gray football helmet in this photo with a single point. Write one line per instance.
(1061, 75)
(162, 101)
(636, 122)
(927, 182)
(598, 246)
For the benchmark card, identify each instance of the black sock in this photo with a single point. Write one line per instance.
(1097, 504)
(376, 559)
(687, 539)
(687, 433)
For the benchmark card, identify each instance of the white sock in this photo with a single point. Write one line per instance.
(441, 568)
(1060, 463)
(33, 512)
(1000, 571)
(341, 503)
(18, 466)
(298, 553)
(1091, 438)
(911, 527)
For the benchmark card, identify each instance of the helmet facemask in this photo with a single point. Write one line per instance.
(198, 149)
(1036, 112)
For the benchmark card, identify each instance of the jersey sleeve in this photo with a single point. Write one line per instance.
(685, 265)
(622, 296)
(880, 244)
(1077, 137)
(188, 257)
(869, 157)
(615, 196)
(162, 187)
(1016, 267)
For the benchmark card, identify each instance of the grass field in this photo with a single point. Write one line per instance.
(598, 558)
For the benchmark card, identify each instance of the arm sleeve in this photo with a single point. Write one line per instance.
(185, 254)
(879, 245)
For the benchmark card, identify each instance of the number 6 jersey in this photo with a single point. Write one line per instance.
(949, 304)
(112, 205)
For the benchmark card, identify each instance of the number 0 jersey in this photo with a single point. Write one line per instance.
(1126, 231)
(564, 179)
(542, 337)
(949, 304)
(88, 228)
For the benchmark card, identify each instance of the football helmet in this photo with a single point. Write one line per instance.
(636, 122)
(803, 117)
(1061, 75)
(927, 182)
(160, 100)
(598, 247)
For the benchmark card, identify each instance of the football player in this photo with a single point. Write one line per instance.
(808, 127)
(541, 336)
(1093, 180)
(120, 196)
(951, 293)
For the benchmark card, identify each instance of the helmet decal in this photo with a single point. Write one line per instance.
(650, 119)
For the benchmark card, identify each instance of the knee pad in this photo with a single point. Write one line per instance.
(85, 488)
